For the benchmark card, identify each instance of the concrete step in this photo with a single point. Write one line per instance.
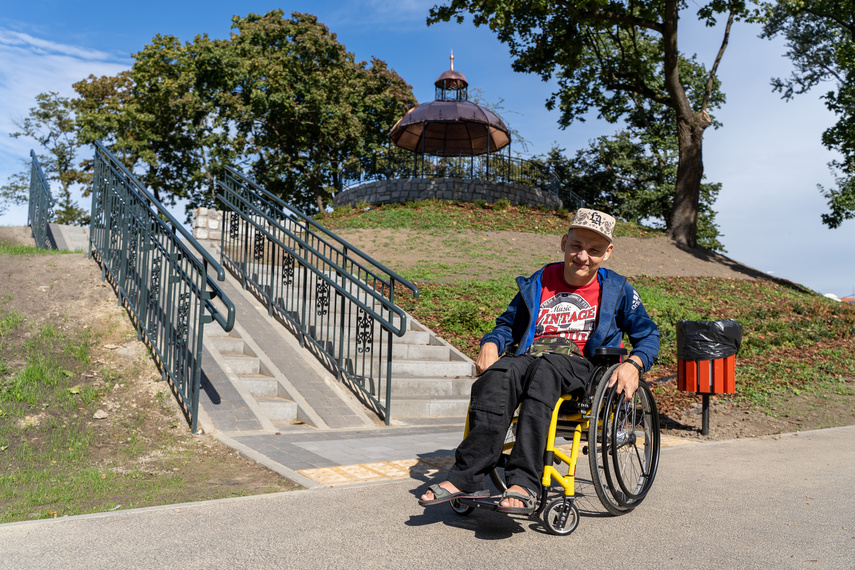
(351, 315)
(429, 406)
(413, 337)
(278, 409)
(242, 364)
(406, 351)
(408, 386)
(431, 369)
(260, 385)
(411, 368)
(225, 343)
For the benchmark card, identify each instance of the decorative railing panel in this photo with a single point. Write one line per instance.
(146, 254)
(336, 299)
(41, 204)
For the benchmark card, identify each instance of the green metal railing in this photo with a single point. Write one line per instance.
(41, 204)
(496, 167)
(335, 298)
(146, 253)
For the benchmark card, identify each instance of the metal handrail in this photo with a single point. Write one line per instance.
(493, 167)
(393, 277)
(161, 281)
(304, 246)
(332, 295)
(41, 204)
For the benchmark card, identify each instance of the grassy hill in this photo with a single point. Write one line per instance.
(797, 349)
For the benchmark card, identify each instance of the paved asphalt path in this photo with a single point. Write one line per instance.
(777, 502)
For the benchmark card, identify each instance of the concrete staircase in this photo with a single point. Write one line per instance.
(430, 378)
(255, 377)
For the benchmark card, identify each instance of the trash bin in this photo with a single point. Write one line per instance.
(706, 359)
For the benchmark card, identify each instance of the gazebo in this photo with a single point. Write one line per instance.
(451, 125)
(449, 148)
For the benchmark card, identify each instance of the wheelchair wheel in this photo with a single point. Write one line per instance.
(633, 458)
(460, 508)
(558, 509)
(598, 446)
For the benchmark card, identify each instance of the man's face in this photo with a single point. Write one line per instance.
(584, 252)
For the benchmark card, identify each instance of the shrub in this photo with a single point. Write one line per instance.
(502, 204)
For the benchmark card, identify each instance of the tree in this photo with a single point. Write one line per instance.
(161, 121)
(51, 123)
(104, 114)
(183, 141)
(281, 95)
(16, 191)
(620, 175)
(820, 39)
(605, 54)
(300, 105)
(632, 174)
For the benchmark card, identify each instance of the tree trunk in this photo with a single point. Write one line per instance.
(690, 137)
(690, 171)
(317, 188)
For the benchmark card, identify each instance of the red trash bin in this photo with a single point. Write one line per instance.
(707, 376)
(706, 359)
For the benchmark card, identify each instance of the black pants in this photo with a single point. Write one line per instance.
(534, 384)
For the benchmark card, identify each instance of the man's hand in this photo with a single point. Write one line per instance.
(626, 377)
(488, 354)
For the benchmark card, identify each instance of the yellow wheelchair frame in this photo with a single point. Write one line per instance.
(623, 443)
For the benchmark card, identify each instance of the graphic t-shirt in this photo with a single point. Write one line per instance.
(565, 311)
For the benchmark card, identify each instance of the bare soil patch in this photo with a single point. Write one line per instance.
(470, 254)
(139, 426)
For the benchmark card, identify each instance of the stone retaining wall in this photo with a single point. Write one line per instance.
(463, 190)
(208, 224)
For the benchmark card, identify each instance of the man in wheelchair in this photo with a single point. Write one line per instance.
(560, 316)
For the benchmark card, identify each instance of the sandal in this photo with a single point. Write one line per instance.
(443, 495)
(528, 499)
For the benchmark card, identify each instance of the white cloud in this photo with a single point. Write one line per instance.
(28, 66)
(46, 47)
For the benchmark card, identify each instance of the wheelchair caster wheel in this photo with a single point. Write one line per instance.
(561, 517)
(460, 508)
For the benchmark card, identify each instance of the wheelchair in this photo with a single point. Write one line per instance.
(621, 441)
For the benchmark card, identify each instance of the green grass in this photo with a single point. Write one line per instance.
(794, 341)
(55, 460)
(438, 217)
(10, 249)
(8, 321)
(45, 440)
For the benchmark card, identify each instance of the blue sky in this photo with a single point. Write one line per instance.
(768, 154)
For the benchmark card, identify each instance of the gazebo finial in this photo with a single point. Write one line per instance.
(452, 60)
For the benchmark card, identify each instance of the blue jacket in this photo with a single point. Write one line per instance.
(621, 311)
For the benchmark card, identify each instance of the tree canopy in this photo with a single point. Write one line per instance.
(301, 106)
(281, 98)
(820, 39)
(51, 124)
(607, 55)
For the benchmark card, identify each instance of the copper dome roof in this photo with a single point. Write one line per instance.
(451, 128)
(451, 80)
